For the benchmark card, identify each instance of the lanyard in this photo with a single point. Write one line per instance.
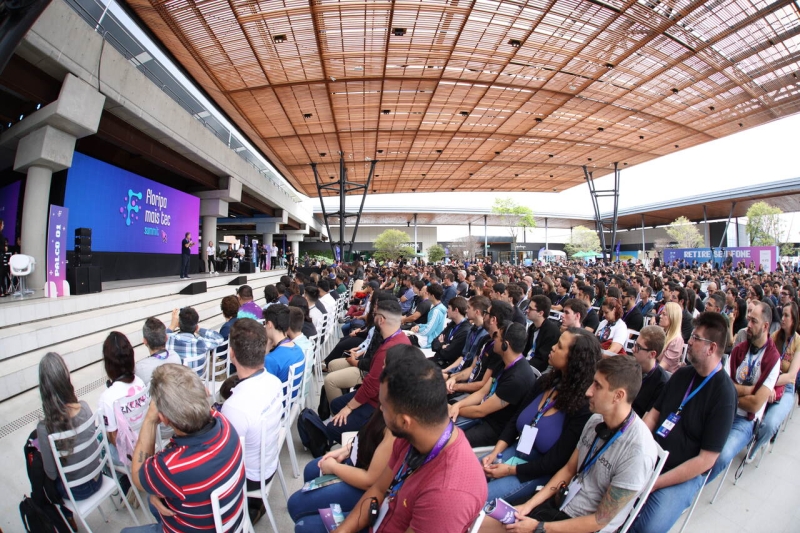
(688, 396)
(287, 340)
(390, 337)
(587, 461)
(455, 329)
(163, 354)
(549, 402)
(406, 470)
(751, 362)
(786, 346)
(238, 382)
(497, 379)
(649, 373)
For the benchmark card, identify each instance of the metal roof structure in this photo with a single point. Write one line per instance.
(506, 95)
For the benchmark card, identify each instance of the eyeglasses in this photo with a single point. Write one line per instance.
(638, 347)
(697, 338)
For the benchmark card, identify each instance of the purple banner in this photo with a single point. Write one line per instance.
(9, 202)
(748, 256)
(57, 247)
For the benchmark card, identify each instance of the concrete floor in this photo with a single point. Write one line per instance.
(763, 501)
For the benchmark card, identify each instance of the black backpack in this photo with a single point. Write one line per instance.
(39, 513)
(312, 433)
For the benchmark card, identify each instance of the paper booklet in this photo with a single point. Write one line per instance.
(332, 517)
(322, 481)
(501, 510)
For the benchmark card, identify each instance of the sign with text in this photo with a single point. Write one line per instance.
(747, 256)
(57, 247)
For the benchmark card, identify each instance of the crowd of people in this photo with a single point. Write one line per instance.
(571, 375)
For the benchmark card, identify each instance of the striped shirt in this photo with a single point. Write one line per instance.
(189, 469)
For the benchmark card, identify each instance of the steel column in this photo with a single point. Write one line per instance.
(485, 236)
(595, 194)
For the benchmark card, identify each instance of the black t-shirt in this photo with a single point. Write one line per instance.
(512, 385)
(423, 308)
(686, 325)
(634, 319)
(184, 249)
(651, 389)
(486, 360)
(592, 320)
(706, 419)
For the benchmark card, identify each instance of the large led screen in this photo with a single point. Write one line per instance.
(9, 201)
(126, 212)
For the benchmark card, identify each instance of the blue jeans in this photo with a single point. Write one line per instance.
(355, 420)
(664, 507)
(184, 265)
(511, 488)
(303, 504)
(741, 433)
(313, 524)
(348, 326)
(80, 492)
(158, 527)
(774, 416)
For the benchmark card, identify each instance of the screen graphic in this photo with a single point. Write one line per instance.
(9, 201)
(126, 212)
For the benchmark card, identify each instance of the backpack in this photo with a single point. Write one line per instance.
(39, 513)
(312, 433)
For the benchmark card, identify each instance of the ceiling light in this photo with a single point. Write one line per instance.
(306, 115)
(590, 159)
(711, 108)
(600, 129)
(380, 151)
(497, 153)
(424, 175)
(609, 65)
(398, 32)
(323, 154)
(537, 119)
(674, 90)
(641, 137)
(438, 151)
(465, 113)
(676, 146)
(386, 111)
(549, 155)
(516, 43)
(277, 39)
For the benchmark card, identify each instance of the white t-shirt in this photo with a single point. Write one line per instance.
(146, 367)
(134, 393)
(274, 251)
(254, 396)
(210, 251)
(618, 332)
(316, 317)
(741, 375)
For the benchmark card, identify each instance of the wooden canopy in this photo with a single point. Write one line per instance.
(474, 95)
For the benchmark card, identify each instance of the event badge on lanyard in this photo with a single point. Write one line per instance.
(529, 432)
(673, 418)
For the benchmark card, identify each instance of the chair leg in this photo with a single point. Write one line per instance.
(292, 454)
(721, 482)
(694, 504)
(102, 514)
(85, 525)
(284, 488)
(271, 517)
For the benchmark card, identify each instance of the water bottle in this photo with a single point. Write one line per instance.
(499, 459)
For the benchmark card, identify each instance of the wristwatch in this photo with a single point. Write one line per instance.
(540, 528)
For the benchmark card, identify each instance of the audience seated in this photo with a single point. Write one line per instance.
(357, 312)
(573, 313)
(632, 316)
(646, 348)
(282, 352)
(295, 331)
(548, 421)
(204, 454)
(431, 329)
(351, 411)
(542, 334)
(586, 295)
(612, 331)
(670, 320)
(449, 345)
(301, 303)
(598, 486)
(326, 298)
(418, 314)
(477, 337)
(679, 296)
(248, 308)
(230, 311)
(449, 289)
(154, 337)
(186, 338)
(315, 310)
(271, 295)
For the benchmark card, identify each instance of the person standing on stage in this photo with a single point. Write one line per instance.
(186, 250)
(210, 252)
(274, 255)
(2, 260)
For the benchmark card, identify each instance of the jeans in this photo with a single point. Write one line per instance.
(741, 433)
(774, 416)
(464, 423)
(511, 488)
(355, 420)
(664, 507)
(80, 492)
(158, 527)
(184, 265)
(348, 326)
(303, 504)
(211, 267)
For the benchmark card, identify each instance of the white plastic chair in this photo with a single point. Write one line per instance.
(21, 266)
(558, 316)
(694, 502)
(662, 458)
(476, 525)
(291, 406)
(83, 508)
(740, 468)
(265, 488)
(225, 525)
(308, 374)
(198, 363)
(219, 367)
(632, 336)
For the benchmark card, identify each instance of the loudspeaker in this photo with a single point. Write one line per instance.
(238, 280)
(83, 241)
(196, 287)
(83, 259)
(247, 267)
(82, 249)
(95, 285)
(78, 278)
(83, 232)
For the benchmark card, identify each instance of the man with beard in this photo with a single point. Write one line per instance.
(450, 482)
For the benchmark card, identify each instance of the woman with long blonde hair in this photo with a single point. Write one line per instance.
(670, 320)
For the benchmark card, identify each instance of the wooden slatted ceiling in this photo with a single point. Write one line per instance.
(452, 105)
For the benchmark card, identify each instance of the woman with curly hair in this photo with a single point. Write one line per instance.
(612, 330)
(558, 409)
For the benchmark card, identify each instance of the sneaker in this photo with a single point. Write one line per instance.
(255, 516)
(344, 320)
(751, 456)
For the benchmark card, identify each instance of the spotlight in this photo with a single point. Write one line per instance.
(399, 32)
(277, 39)
(516, 43)
(306, 115)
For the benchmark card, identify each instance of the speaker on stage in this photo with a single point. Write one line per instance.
(197, 287)
(84, 280)
(238, 280)
(247, 267)
(95, 285)
(83, 248)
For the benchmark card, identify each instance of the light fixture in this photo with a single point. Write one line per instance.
(600, 129)
(516, 43)
(323, 154)
(674, 90)
(380, 151)
(537, 119)
(399, 32)
(306, 115)
(465, 113)
(386, 111)
(277, 39)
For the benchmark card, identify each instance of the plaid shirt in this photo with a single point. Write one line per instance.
(190, 345)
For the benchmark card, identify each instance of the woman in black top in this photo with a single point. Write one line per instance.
(558, 400)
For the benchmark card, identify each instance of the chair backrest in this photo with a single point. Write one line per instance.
(266, 419)
(91, 434)
(291, 388)
(21, 265)
(225, 490)
(219, 363)
(662, 458)
(134, 415)
(476, 525)
(556, 315)
(683, 353)
(310, 361)
(198, 363)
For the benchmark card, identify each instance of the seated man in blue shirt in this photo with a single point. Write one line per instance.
(282, 351)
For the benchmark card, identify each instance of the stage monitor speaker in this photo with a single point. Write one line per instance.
(83, 259)
(247, 267)
(196, 287)
(83, 232)
(83, 249)
(78, 280)
(83, 241)
(238, 280)
(95, 284)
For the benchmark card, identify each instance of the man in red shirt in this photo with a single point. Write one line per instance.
(352, 410)
(433, 483)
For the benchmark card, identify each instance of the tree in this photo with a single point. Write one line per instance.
(764, 225)
(435, 253)
(391, 244)
(468, 244)
(515, 217)
(582, 240)
(685, 233)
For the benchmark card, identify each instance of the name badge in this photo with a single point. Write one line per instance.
(572, 491)
(526, 440)
(668, 424)
(381, 514)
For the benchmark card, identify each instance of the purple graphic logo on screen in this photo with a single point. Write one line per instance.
(164, 236)
(131, 199)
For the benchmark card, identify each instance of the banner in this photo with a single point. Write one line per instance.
(747, 256)
(9, 202)
(57, 247)
(337, 253)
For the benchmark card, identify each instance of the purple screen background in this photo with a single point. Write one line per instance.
(9, 202)
(107, 199)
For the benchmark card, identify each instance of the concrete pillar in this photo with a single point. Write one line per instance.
(267, 238)
(296, 250)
